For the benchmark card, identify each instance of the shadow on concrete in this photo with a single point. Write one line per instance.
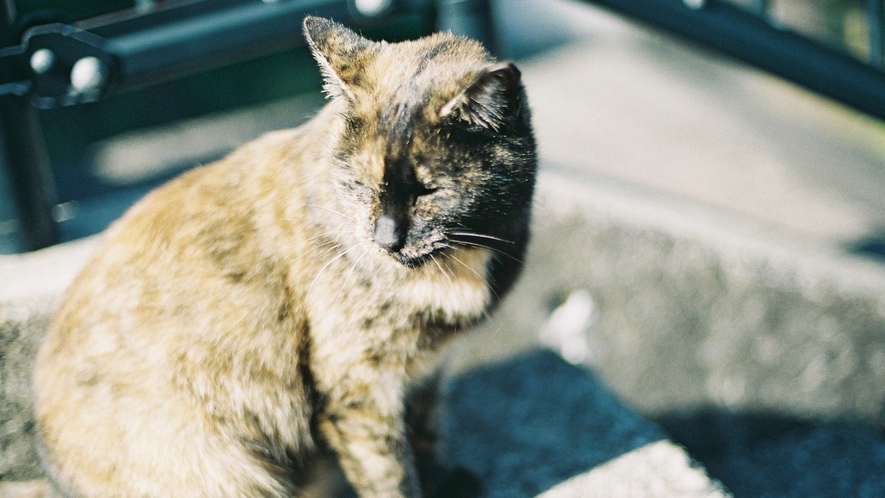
(534, 421)
(93, 214)
(870, 246)
(759, 455)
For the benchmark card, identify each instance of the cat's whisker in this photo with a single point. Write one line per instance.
(481, 236)
(446, 262)
(336, 258)
(327, 234)
(317, 250)
(445, 274)
(357, 262)
(490, 248)
(498, 326)
(465, 265)
(351, 218)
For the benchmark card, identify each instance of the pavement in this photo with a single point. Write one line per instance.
(528, 424)
(719, 219)
(633, 104)
(699, 266)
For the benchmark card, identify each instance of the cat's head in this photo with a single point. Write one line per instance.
(437, 147)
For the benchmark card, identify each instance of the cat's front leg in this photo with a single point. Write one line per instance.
(364, 425)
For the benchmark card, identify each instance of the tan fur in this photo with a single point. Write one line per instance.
(25, 489)
(241, 316)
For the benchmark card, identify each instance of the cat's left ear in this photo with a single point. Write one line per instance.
(492, 100)
(341, 54)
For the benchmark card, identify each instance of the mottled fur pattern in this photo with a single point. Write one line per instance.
(292, 296)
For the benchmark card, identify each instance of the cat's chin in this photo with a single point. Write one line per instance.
(412, 260)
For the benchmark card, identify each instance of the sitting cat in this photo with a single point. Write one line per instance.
(293, 296)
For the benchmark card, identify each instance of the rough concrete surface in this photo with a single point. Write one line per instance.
(30, 284)
(529, 425)
(696, 310)
(724, 212)
(21, 326)
(762, 355)
(670, 332)
(691, 252)
(29, 287)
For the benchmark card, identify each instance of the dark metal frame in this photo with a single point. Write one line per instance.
(136, 48)
(750, 37)
(24, 154)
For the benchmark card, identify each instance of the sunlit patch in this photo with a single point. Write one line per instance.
(568, 325)
(454, 283)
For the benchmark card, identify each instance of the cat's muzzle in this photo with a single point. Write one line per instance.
(389, 234)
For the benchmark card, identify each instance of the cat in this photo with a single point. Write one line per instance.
(292, 298)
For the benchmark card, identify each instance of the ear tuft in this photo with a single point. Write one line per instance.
(491, 101)
(341, 54)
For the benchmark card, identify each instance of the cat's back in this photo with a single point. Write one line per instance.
(206, 244)
(186, 293)
(199, 226)
(211, 223)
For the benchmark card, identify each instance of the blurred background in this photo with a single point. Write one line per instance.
(627, 100)
(767, 114)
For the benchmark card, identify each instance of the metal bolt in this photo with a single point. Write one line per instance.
(371, 8)
(88, 74)
(42, 60)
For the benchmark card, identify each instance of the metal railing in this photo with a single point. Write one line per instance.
(751, 36)
(65, 64)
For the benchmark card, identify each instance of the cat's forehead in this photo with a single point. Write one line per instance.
(397, 104)
(440, 65)
(407, 83)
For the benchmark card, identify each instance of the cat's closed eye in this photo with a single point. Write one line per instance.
(362, 192)
(423, 190)
(291, 299)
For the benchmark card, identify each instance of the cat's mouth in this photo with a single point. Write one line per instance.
(411, 255)
(412, 258)
(415, 257)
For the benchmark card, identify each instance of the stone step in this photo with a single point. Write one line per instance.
(535, 425)
(529, 425)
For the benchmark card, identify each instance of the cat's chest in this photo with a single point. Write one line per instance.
(453, 287)
(451, 290)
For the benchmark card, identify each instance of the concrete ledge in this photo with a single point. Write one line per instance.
(30, 285)
(697, 310)
(22, 324)
(656, 470)
(693, 310)
(42, 275)
(689, 312)
(762, 352)
(528, 426)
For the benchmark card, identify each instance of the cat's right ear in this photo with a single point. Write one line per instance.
(341, 54)
(492, 100)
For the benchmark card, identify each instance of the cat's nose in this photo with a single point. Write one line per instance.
(389, 234)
